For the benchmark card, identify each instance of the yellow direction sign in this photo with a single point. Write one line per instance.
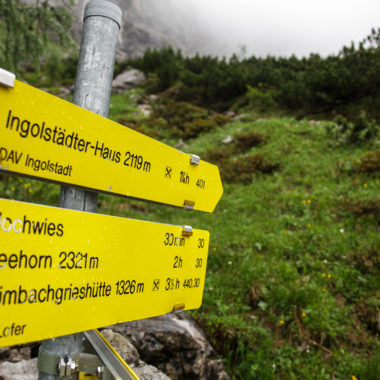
(48, 138)
(64, 271)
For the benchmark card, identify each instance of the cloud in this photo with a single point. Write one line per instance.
(278, 27)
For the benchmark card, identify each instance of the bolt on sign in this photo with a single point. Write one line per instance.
(48, 138)
(84, 270)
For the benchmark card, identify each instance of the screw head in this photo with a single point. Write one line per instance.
(99, 372)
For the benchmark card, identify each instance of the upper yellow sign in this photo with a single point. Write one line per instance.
(48, 138)
(84, 270)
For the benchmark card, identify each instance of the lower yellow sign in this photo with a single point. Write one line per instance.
(64, 271)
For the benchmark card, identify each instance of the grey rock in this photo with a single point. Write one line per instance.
(174, 344)
(228, 140)
(65, 91)
(180, 144)
(17, 355)
(127, 80)
(4, 352)
(23, 370)
(145, 109)
(148, 372)
(230, 113)
(131, 356)
(123, 346)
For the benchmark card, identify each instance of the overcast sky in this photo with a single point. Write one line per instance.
(284, 27)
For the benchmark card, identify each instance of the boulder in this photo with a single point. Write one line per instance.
(131, 356)
(22, 370)
(123, 346)
(167, 347)
(175, 345)
(19, 354)
(229, 139)
(148, 372)
(127, 80)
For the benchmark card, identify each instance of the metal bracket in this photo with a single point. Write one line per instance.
(188, 205)
(113, 365)
(54, 364)
(194, 159)
(71, 366)
(7, 79)
(103, 9)
(187, 231)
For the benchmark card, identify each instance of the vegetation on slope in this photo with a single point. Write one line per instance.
(293, 278)
(343, 83)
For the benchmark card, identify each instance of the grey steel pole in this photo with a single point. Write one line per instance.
(101, 25)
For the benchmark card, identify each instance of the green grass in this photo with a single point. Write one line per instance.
(293, 278)
(293, 282)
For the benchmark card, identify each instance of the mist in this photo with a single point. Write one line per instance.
(271, 27)
(242, 27)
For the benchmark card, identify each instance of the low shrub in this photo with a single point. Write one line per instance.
(362, 129)
(370, 162)
(219, 154)
(364, 208)
(242, 169)
(184, 120)
(178, 113)
(195, 127)
(359, 130)
(259, 99)
(246, 141)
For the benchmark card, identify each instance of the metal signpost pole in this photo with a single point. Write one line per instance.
(93, 85)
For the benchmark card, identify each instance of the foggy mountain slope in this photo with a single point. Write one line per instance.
(155, 24)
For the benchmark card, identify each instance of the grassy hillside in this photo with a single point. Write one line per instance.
(293, 277)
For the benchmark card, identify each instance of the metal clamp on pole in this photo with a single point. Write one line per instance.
(194, 159)
(54, 364)
(188, 205)
(187, 231)
(7, 79)
(103, 9)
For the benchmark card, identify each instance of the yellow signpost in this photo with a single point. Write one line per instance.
(45, 137)
(64, 271)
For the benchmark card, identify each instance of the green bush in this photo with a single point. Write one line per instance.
(370, 162)
(242, 169)
(314, 85)
(195, 127)
(245, 141)
(364, 208)
(260, 100)
(356, 131)
(184, 120)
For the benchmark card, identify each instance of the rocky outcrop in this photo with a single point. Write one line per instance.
(168, 347)
(127, 80)
(23, 370)
(16, 362)
(131, 356)
(175, 345)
